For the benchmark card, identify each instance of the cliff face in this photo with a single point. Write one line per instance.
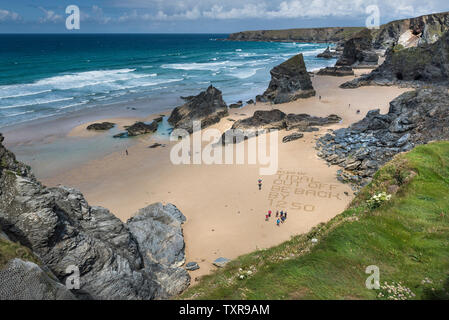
(408, 32)
(300, 35)
(358, 50)
(61, 229)
(412, 32)
(427, 64)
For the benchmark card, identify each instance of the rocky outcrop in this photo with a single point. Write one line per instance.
(139, 128)
(163, 248)
(300, 35)
(238, 104)
(274, 119)
(101, 126)
(336, 71)
(328, 54)
(60, 228)
(289, 81)
(358, 50)
(292, 137)
(207, 107)
(412, 32)
(413, 118)
(410, 67)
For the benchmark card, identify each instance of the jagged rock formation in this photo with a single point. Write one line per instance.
(292, 137)
(410, 67)
(289, 81)
(358, 50)
(207, 107)
(300, 35)
(61, 229)
(139, 128)
(412, 32)
(413, 118)
(328, 54)
(336, 71)
(274, 120)
(101, 126)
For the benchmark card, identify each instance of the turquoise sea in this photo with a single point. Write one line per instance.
(49, 75)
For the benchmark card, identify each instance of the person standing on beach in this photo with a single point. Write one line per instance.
(260, 184)
(278, 222)
(266, 217)
(126, 151)
(269, 213)
(285, 215)
(277, 213)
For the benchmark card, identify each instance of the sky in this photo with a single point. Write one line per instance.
(201, 16)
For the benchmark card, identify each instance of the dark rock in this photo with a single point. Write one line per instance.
(207, 107)
(411, 67)
(239, 104)
(292, 137)
(192, 266)
(414, 118)
(336, 71)
(251, 101)
(140, 128)
(221, 262)
(156, 145)
(101, 126)
(359, 50)
(162, 249)
(328, 54)
(58, 226)
(289, 81)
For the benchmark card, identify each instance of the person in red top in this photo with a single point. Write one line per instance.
(269, 213)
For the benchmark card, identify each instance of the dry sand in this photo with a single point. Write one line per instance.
(225, 210)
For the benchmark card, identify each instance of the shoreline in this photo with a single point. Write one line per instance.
(224, 209)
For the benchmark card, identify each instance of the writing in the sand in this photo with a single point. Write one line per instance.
(290, 188)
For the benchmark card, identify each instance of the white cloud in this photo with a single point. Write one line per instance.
(50, 16)
(6, 15)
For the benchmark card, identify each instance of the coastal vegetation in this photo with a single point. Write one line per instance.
(406, 237)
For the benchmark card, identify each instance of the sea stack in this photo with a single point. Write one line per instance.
(207, 107)
(289, 81)
(358, 51)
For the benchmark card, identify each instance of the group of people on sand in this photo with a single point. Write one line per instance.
(280, 217)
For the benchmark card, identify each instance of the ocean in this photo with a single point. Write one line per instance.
(51, 75)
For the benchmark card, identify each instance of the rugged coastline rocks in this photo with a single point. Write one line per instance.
(59, 227)
(207, 107)
(414, 118)
(410, 67)
(289, 81)
(328, 54)
(263, 120)
(336, 71)
(139, 128)
(101, 126)
(358, 51)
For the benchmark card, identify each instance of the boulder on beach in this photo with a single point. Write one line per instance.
(101, 126)
(292, 137)
(139, 128)
(289, 81)
(275, 119)
(208, 107)
(336, 71)
(238, 104)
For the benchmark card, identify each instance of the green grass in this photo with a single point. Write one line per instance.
(11, 250)
(406, 237)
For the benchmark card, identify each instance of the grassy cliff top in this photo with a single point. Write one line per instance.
(407, 237)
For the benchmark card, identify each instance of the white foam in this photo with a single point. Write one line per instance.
(36, 102)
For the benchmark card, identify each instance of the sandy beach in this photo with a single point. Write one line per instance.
(224, 208)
